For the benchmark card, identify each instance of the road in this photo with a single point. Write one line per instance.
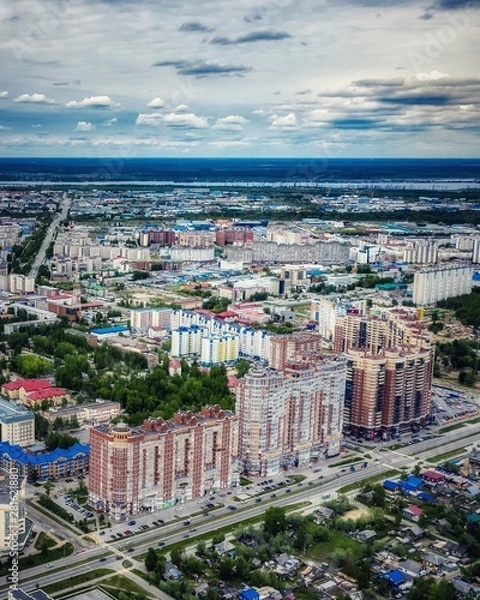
(61, 216)
(175, 531)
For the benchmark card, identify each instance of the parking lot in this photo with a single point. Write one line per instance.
(449, 403)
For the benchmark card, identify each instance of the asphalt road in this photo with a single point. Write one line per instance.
(61, 216)
(172, 532)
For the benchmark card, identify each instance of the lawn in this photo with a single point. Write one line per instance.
(338, 542)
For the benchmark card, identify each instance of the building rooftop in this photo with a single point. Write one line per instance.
(11, 413)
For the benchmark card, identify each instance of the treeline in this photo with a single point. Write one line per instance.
(466, 307)
(109, 373)
(458, 355)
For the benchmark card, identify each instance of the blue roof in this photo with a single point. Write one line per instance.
(394, 577)
(58, 455)
(113, 329)
(390, 485)
(426, 497)
(248, 594)
(411, 483)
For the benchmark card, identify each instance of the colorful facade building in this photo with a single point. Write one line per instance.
(162, 462)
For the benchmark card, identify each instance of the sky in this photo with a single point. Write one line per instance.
(246, 78)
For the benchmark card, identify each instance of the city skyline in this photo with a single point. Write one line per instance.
(278, 79)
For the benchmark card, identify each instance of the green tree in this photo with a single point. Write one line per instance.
(42, 426)
(275, 521)
(226, 569)
(31, 366)
(151, 560)
(242, 367)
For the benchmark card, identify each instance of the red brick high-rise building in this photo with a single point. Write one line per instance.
(162, 462)
(389, 373)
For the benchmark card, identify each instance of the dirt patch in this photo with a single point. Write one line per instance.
(356, 513)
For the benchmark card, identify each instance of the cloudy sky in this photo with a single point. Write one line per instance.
(278, 78)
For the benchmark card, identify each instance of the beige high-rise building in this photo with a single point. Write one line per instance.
(290, 417)
(284, 348)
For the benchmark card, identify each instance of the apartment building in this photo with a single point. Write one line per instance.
(422, 252)
(163, 462)
(269, 252)
(439, 283)
(396, 327)
(290, 417)
(389, 372)
(219, 349)
(325, 311)
(237, 236)
(387, 392)
(189, 327)
(144, 318)
(284, 348)
(187, 341)
(17, 424)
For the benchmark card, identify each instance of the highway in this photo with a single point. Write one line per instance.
(175, 531)
(61, 216)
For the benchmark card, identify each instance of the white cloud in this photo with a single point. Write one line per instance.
(93, 102)
(84, 126)
(229, 143)
(432, 76)
(110, 122)
(181, 108)
(188, 120)
(37, 126)
(286, 122)
(230, 123)
(34, 99)
(4, 128)
(151, 119)
(156, 103)
(4, 94)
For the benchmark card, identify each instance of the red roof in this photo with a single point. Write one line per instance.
(29, 385)
(53, 392)
(232, 381)
(433, 476)
(414, 510)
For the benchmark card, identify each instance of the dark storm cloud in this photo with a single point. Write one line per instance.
(252, 18)
(375, 83)
(204, 68)
(418, 99)
(195, 26)
(454, 4)
(264, 35)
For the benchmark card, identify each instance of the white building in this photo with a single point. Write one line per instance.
(17, 424)
(423, 252)
(325, 312)
(219, 349)
(187, 341)
(439, 283)
(476, 251)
